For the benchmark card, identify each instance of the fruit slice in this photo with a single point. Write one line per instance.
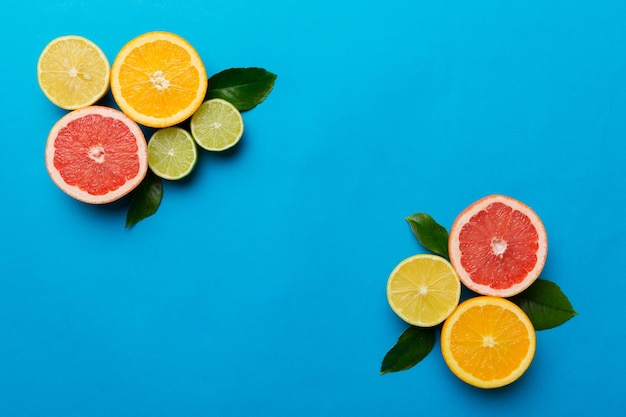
(96, 154)
(217, 125)
(488, 342)
(423, 290)
(73, 72)
(498, 246)
(172, 153)
(158, 79)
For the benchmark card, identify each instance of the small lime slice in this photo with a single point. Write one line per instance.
(217, 125)
(172, 153)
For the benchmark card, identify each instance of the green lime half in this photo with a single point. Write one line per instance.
(217, 125)
(172, 153)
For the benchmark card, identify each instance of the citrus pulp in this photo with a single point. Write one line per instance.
(488, 342)
(96, 154)
(498, 246)
(423, 290)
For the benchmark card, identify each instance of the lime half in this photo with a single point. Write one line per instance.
(217, 125)
(172, 153)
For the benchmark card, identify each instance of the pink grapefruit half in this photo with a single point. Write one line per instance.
(498, 246)
(96, 154)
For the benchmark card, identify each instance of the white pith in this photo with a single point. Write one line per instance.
(97, 154)
(498, 246)
(159, 81)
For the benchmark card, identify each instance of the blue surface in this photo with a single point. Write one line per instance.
(258, 289)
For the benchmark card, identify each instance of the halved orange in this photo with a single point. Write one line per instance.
(498, 246)
(488, 342)
(158, 79)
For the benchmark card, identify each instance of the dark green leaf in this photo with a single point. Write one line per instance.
(413, 345)
(545, 304)
(430, 234)
(145, 199)
(243, 87)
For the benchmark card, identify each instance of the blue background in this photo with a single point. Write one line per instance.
(258, 288)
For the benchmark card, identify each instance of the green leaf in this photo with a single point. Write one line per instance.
(545, 304)
(413, 345)
(430, 234)
(243, 87)
(145, 199)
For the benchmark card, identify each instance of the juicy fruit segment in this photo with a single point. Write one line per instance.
(158, 79)
(217, 125)
(488, 342)
(498, 246)
(172, 153)
(73, 72)
(423, 290)
(96, 154)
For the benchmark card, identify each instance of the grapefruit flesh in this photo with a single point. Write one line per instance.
(498, 246)
(96, 154)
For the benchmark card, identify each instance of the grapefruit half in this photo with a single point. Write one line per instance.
(96, 154)
(498, 246)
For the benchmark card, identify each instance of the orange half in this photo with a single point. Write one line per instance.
(488, 342)
(158, 79)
